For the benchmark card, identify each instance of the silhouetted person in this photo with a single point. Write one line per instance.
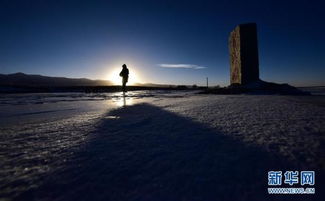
(125, 76)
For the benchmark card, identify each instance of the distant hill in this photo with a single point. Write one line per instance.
(25, 80)
(154, 85)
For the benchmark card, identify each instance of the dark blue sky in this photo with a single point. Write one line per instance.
(93, 38)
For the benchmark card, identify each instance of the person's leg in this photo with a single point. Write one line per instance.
(123, 85)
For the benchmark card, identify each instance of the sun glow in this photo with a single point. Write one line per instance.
(114, 77)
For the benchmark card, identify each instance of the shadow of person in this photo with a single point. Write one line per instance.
(149, 153)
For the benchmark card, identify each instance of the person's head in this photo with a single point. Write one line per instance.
(124, 65)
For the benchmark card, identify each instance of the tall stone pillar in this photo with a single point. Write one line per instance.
(244, 66)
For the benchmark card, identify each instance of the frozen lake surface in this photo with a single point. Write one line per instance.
(156, 145)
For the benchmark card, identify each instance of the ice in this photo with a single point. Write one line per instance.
(155, 145)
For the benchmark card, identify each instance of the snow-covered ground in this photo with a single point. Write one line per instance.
(156, 145)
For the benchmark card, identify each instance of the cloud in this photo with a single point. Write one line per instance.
(189, 66)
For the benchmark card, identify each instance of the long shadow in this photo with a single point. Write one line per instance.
(143, 152)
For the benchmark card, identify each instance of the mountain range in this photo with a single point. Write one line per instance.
(25, 80)
(28, 80)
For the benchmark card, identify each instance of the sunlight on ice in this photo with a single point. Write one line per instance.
(122, 101)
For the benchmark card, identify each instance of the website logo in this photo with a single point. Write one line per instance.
(291, 182)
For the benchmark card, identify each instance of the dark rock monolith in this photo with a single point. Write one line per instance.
(244, 65)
